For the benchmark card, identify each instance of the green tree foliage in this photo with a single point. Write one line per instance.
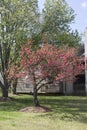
(18, 22)
(57, 16)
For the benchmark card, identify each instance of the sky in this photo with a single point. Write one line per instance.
(80, 8)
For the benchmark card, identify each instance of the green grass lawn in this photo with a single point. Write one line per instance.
(69, 113)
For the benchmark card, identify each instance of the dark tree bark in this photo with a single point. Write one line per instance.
(4, 92)
(36, 102)
(14, 90)
(14, 86)
(4, 88)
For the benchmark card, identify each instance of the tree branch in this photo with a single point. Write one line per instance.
(44, 84)
(1, 57)
(1, 85)
(39, 82)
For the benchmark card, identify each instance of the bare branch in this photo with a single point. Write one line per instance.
(44, 85)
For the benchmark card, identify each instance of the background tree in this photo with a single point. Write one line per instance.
(47, 65)
(57, 16)
(18, 22)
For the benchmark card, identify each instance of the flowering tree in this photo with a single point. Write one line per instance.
(47, 65)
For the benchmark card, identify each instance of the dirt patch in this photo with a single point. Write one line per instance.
(39, 109)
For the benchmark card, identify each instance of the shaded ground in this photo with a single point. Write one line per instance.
(68, 113)
(63, 107)
(4, 99)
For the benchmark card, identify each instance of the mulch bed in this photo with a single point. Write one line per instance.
(39, 109)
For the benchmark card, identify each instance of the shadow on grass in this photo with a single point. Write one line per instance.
(67, 108)
(63, 107)
(16, 104)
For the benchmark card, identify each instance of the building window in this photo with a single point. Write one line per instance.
(26, 85)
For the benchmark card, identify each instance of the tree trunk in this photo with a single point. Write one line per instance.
(5, 92)
(14, 86)
(36, 102)
(14, 90)
(5, 88)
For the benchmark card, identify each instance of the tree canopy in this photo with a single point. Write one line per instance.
(18, 22)
(57, 16)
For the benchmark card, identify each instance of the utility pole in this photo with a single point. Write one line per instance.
(85, 61)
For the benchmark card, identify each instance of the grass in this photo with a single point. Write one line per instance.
(69, 113)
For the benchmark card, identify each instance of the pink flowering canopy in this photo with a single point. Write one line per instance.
(50, 62)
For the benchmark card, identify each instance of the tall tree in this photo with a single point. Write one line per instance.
(57, 16)
(18, 22)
